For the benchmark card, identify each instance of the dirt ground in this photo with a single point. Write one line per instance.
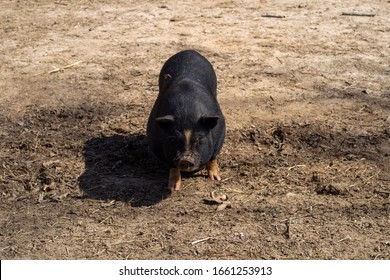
(305, 164)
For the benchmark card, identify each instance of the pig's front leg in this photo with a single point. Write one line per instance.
(213, 170)
(174, 182)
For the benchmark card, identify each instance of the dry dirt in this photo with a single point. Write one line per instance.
(306, 159)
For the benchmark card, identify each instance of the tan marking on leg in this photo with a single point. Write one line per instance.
(187, 137)
(213, 170)
(174, 182)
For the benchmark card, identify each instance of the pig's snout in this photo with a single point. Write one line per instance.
(186, 164)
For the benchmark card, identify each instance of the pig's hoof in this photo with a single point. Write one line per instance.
(174, 182)
(176, 186)
(213, 170)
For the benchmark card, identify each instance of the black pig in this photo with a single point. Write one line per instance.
(186, 127)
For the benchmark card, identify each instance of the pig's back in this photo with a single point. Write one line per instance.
(189, 65)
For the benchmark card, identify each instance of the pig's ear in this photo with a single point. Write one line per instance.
(165, 122)
(209, 121)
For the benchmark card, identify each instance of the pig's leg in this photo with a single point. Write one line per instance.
(213, 170)
(174, 182)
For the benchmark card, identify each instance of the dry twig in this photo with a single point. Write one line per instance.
(357, 14)
(288, 229)
(343, 239)
(200, 240)
(272, 16)
(65, 67)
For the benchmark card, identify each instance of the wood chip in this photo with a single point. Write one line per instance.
(222, 199)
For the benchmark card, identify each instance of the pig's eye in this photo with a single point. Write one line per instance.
(199, 141)
(172, 140)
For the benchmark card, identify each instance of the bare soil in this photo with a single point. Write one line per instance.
(306, 160)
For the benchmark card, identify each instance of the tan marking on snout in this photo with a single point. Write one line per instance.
(213, 170)
(187, 137)
(174, 182)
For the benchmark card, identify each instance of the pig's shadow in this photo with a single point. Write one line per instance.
(121, 168)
